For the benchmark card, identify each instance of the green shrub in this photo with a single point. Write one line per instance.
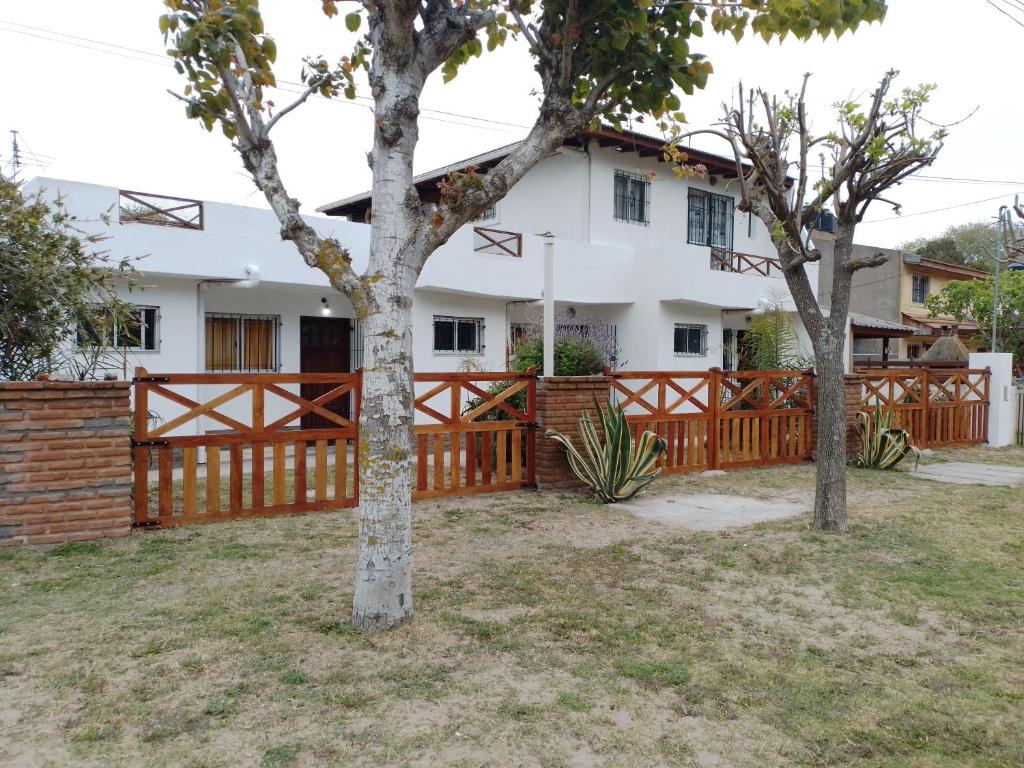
(573, 357)
(616, 470)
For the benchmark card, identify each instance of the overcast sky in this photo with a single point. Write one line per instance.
(90, 110)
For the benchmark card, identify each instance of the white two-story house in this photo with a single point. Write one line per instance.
(666, 263)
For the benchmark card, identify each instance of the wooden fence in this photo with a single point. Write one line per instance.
(938, 407)
(483, 436)
(718, 420)
(741, 263)
(482, 439)
(254, 468)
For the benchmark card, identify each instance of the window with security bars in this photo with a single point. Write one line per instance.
(487, 214)
(242, 342)
(136, 332)
(458, 335)
(710, 219)
(632, 198)
(690, 340)
(919, 289)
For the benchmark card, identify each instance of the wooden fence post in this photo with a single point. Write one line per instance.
(714, 401)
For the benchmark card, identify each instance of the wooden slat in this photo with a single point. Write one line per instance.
(299, 475)
(320, 471)
(456, 460)
(235, 484)
(517, 457)
(471, 450)
(280, 474)
(421, 462)
(165, 495)
(212, 479)
(189, 460)
(258, 482)
(502, 461)
(141, 484)
(341, 469)
(485, 458)
(438, 461)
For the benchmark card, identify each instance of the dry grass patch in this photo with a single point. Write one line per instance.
(550, 632)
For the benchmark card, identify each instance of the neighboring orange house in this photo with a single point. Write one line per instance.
(920, 279)
(895, 292)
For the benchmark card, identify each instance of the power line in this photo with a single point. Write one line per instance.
(1007, 14)
(935, 210)
(962, 180)
(136, 54)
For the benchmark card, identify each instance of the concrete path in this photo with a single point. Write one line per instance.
(711, 511)
(967, 473)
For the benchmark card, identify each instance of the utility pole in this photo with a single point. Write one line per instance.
(15, 153)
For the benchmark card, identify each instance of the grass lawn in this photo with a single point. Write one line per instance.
(550, 632)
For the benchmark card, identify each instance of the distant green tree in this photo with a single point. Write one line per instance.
(972, 301)
(51, 285)
(968, 245)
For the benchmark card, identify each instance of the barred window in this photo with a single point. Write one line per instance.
(919, 289)
(632, 198)
(487, 214)
(242, 342)
(691, 340)
(710, 219)
(136, 333)
(458, 335)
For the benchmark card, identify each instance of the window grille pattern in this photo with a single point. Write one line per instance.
(690, 340)
(632, 198)
(237, 342)
(458, 335)
(710, 219)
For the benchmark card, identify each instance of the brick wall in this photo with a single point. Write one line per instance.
(854, 384)
(560, 402)
(65, 461)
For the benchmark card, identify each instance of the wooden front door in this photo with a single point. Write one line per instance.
(323, 348)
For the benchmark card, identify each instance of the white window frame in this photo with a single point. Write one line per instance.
(480, 328)
(142, 350)
(703, 339)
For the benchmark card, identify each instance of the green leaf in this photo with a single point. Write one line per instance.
(352, 21)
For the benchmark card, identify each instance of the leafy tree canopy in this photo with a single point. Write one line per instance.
(972, 301)
(969, 245)
(50, 285)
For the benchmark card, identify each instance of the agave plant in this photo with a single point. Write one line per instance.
(617, 469)
(883, 446)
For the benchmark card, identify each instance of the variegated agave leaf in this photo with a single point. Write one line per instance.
(883, 446)
(615, 469)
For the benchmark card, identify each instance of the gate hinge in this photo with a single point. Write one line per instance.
(150, 443)
(151, 379)
(529, 424)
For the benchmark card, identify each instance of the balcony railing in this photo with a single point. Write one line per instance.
(497, 241)
(162, 210)
(744, 263)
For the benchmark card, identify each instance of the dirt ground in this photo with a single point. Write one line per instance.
(550, 631)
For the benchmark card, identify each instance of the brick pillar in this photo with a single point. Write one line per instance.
(854, 386)
(65, 461)
(561, 401)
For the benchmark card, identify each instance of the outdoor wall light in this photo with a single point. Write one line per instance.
(325, 308)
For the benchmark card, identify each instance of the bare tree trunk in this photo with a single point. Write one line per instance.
(830, 440)
(383, 589)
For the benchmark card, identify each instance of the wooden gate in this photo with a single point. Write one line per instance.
(254, 468)
(715, 419)
(937, 407)
(482, 438)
